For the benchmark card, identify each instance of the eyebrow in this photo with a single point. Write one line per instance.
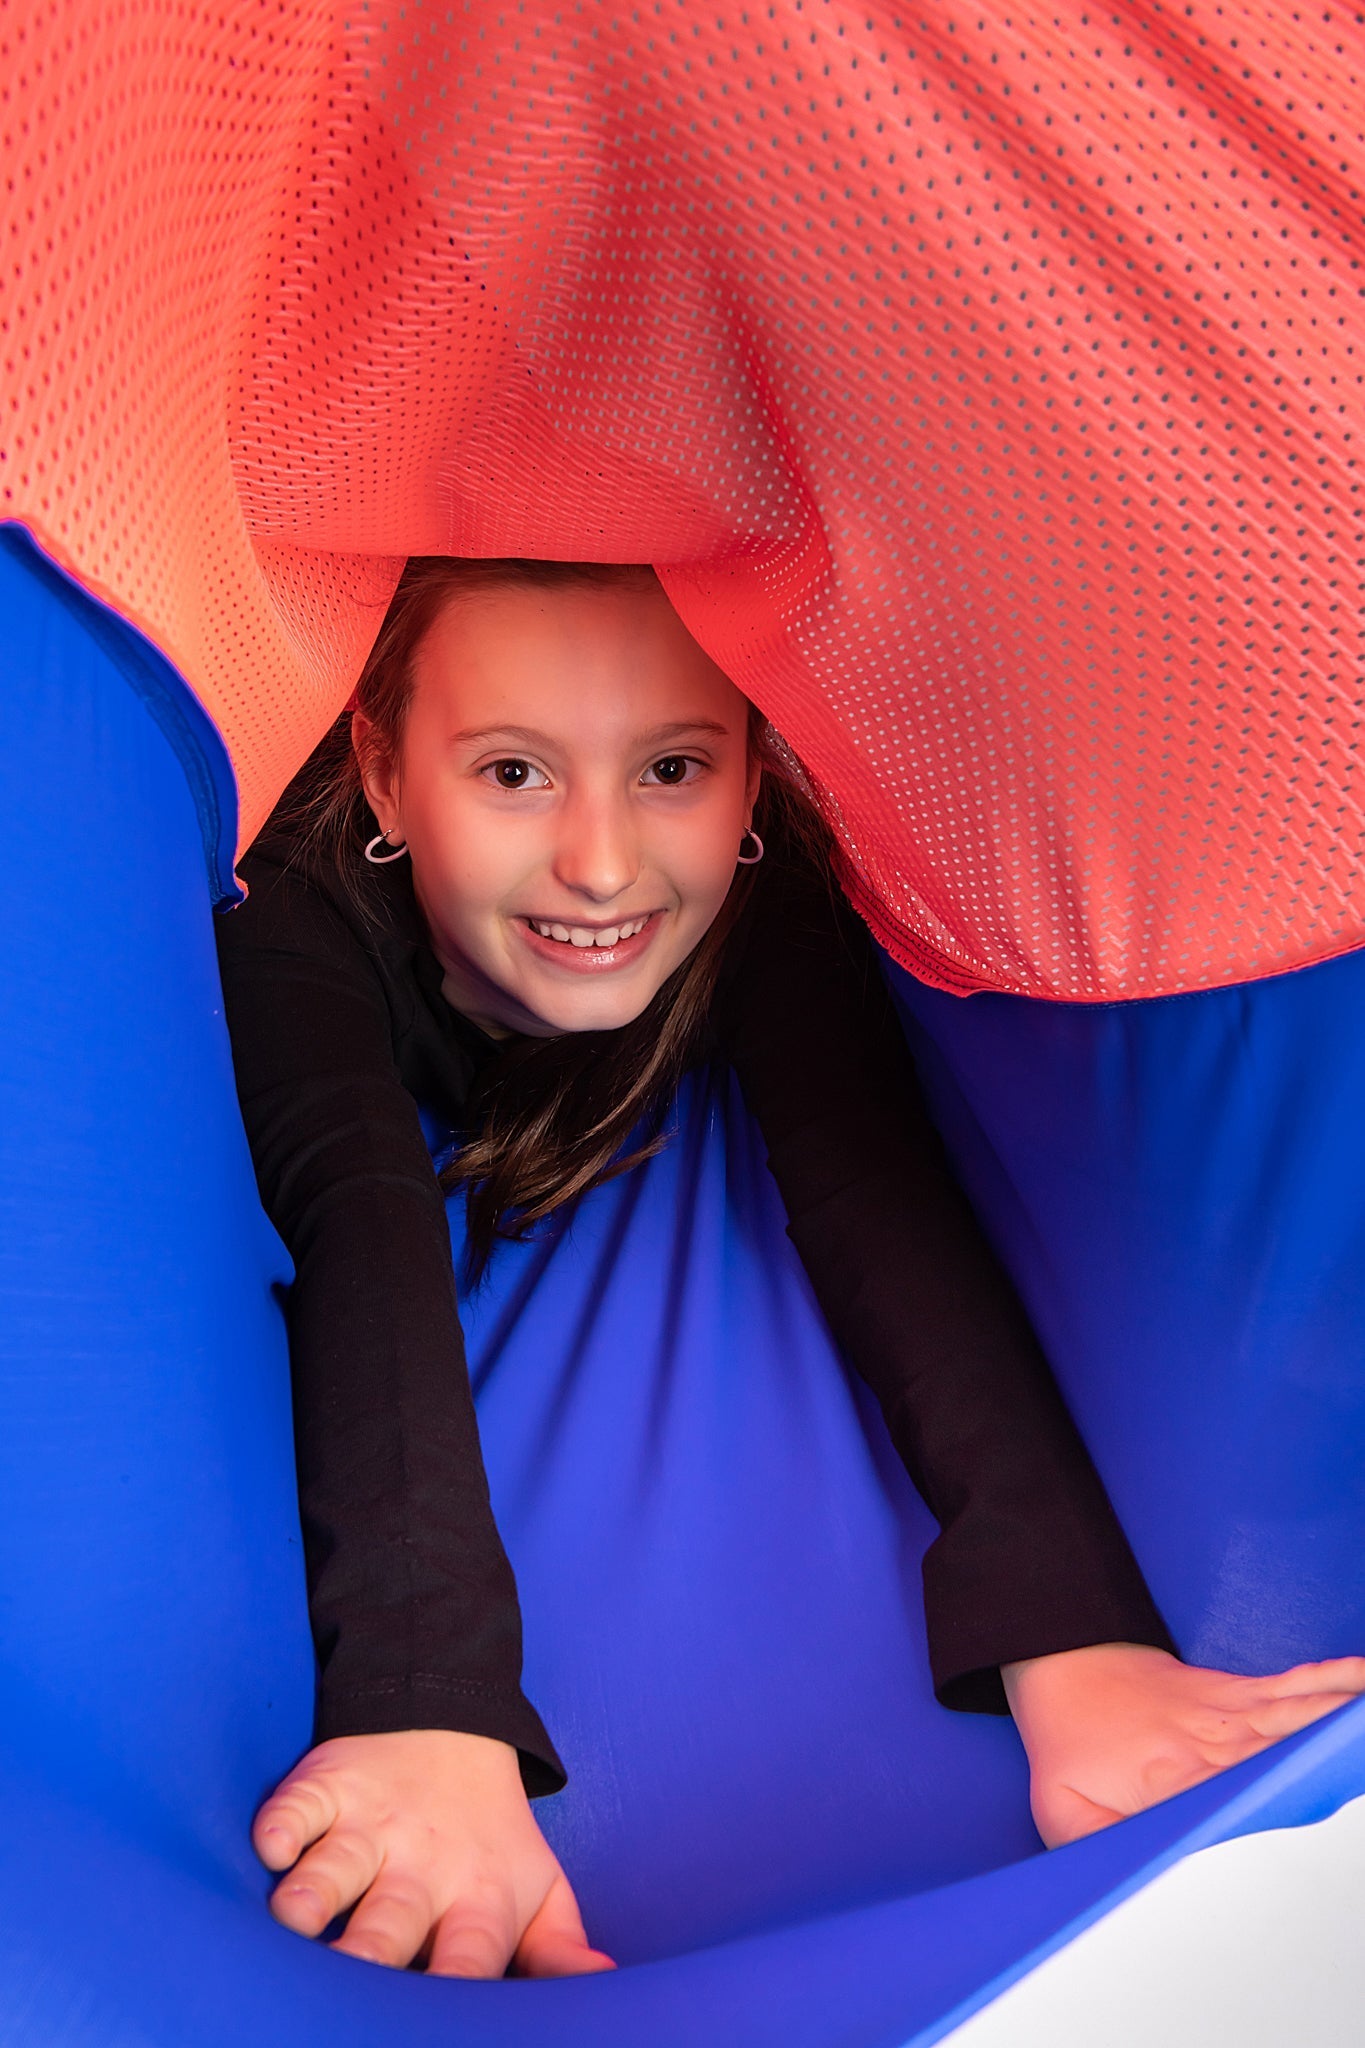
(687, 728)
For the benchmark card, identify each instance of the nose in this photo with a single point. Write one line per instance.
(597, 850)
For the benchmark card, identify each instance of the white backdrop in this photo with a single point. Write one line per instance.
(1257, 1943)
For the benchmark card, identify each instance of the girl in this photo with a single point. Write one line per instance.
(549, 861)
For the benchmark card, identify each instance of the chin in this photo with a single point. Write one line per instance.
(594, 1016)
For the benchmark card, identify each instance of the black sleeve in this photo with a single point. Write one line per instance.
(1031, 1558)
(413, 1603)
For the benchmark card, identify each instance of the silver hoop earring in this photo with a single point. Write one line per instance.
(751, 860)
(381, 860)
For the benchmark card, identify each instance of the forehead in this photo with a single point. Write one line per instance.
(569, 659)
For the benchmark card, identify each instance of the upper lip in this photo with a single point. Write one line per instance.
(585, 924)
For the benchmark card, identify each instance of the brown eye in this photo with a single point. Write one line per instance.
(515, 774)
(671, 770)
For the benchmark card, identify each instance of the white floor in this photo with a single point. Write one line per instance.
(1259, 1943)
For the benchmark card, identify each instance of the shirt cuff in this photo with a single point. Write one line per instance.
(970, 1639)
(423, 1699)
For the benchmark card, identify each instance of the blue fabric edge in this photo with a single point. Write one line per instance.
(193, 737)
(1300, 1781)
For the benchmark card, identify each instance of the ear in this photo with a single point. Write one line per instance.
(378, 773)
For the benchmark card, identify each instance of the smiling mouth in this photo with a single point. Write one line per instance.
(582, 936)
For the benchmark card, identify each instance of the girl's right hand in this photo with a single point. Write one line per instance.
(429, 1836)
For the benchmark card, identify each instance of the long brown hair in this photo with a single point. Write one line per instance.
(551, 1117)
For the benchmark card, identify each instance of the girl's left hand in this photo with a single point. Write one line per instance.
(1113, 1729)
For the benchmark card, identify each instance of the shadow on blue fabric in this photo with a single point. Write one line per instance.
(769, 1820)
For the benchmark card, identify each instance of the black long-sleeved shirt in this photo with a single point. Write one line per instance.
(339, 1029)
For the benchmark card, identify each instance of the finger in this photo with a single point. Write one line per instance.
(1275, 1718)
(473, 1942)
(554, 1943)
(1337, 1674)
(329, 1878)
(390, 1925)
(295, 1814)
(555, 1955)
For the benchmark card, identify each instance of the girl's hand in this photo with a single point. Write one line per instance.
(1115, 1728)
(432, 1833)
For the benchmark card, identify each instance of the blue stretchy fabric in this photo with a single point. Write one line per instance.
(1176, 1188)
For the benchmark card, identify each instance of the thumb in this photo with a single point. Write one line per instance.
(1062, 1814)
(554, 1944)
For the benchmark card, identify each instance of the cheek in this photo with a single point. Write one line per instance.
(708, 893)
(704, 859)
(700, 868)
(463, 865)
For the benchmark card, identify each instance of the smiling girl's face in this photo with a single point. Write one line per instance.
(573, 782)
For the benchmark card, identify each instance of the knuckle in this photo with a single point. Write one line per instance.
(332, 1874)
(483, 1915)
(344, 1849)
(486, 1902)
(398, 1898)
(299, 1800)
(466, 1955)
(1168, 1772)
(378, 1941)
(304, 1889)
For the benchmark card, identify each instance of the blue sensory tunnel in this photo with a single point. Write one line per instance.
(770, 1822)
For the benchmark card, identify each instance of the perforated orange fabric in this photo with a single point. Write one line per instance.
(983, 380)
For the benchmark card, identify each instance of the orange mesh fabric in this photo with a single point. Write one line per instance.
(983, 381)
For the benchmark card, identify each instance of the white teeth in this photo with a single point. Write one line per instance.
(579, 935)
